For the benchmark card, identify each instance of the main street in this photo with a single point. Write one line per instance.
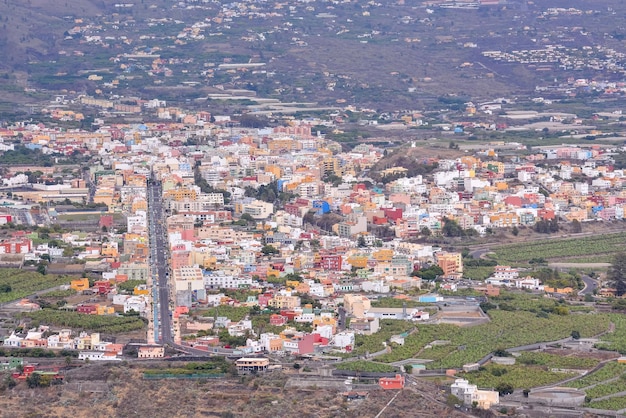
(159, 262)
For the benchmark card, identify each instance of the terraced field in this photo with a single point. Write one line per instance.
(585, 249)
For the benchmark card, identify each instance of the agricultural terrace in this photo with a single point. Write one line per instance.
(16, 284)
(366, 366)
(597, 248)
(613, 404)
(616, 340)
(507, 329)
(605, 388)
(518, 376)
(96, 323)
(571, 361)
(608, 371)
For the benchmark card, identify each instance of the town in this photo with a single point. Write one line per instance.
(274, 246)
(316, 208)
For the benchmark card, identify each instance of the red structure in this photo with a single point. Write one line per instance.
(86, 309)
(392, 382)
(331, 262)
(102, 287)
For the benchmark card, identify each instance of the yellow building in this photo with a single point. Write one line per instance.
(383, 255)
(180, 194)
(356, 305)
(281, 144)
(358, 261)
(450, 263)
(141, 290)
(104, 310)
(275, 170)
(80, 284)
(284, 302)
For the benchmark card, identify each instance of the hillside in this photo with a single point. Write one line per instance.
(121, 392)
(386, 56)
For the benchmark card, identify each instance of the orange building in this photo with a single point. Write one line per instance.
(392, 382)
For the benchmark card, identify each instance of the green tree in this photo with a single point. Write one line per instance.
(616, 274)
(515, 231)
(269, 250)
(504, 388)
(34, 380)
(361, 241)
(451, 228)
(576, 227)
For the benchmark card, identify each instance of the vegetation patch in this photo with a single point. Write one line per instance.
(608, 371)
(557, 361)
(517, 376)
(613, 404)
(96, 323)
(16, 284)
(559, 248)
(506, 330)
(367, 366)
(606, 389)
(234, 313)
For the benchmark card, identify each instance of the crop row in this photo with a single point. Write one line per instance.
(556, 361)
(366, 366)
(606, 389)
(98, 323)
(21, 283)
(613, 404)
(599, 244)
(506, 330)
(373, 343)
(615, 340)
(608, 371)
(518, 376)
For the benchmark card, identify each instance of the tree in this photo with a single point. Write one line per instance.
(425, 231)
(576, 227)
(616, 274)
(34, 380)
(515, 231)
(430, 273)
(504, 389)
(248, 218)
(361, 241)
(269, 250)
(451, 228)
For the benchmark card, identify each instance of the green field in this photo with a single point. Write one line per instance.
(606, 389)
(571, 248)
(616, 340)
(557, 361)
(507, 329)
(613, 404)
(608, 371)
(372, 343)
(519, 376)
(477, 273)
(234, 313)
(367, 366)
(75, 320)
(16, 284)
